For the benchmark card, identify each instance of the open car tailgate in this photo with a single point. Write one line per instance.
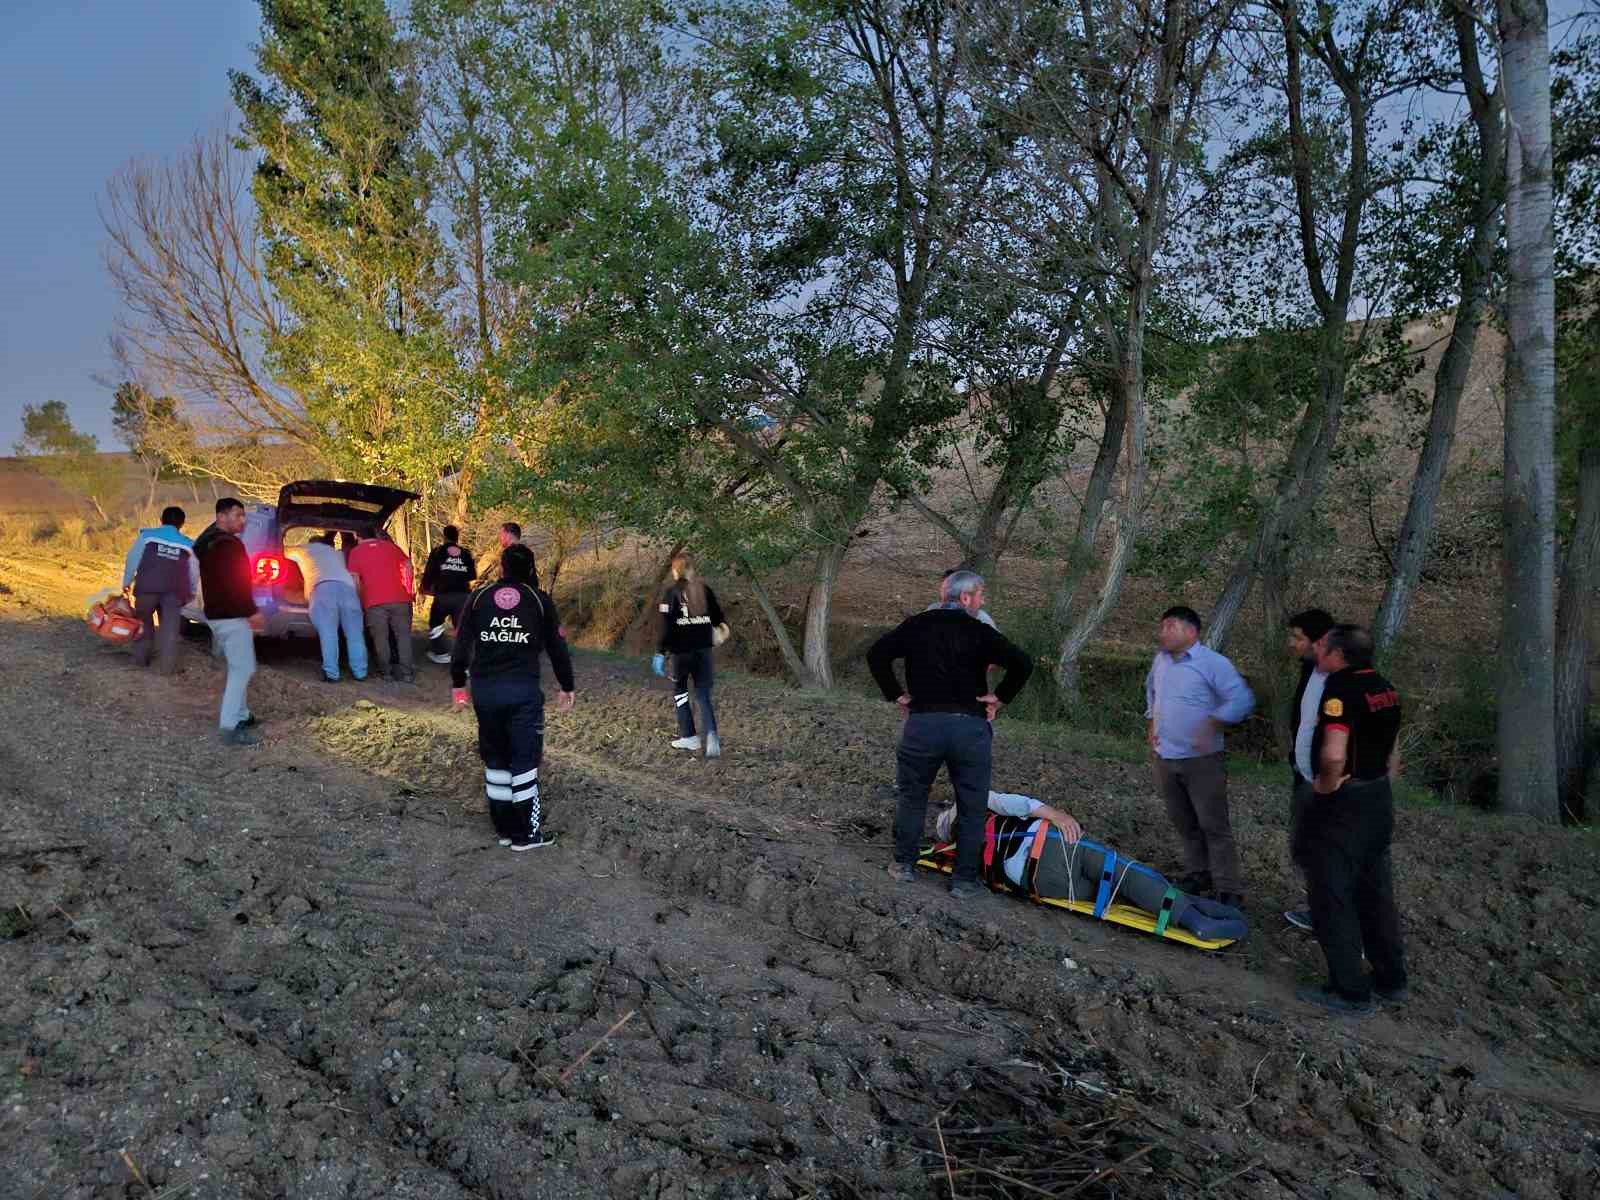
(335, 503)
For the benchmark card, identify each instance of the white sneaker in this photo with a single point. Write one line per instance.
(688, 743)
(505, 841)
(713, 746)
(442, 659)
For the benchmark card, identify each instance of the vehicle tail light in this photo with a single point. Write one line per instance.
(269, 569)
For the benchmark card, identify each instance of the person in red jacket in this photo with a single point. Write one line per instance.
(387, 584)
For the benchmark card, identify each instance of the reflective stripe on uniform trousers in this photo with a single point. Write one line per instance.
(526, 791)
(436, 632)
(497, 784)
(680, 698)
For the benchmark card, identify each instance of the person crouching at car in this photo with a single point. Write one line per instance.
(504, 627)
(334, 604)
(691, 624)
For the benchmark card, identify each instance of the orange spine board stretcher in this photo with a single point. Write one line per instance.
(1117, 914)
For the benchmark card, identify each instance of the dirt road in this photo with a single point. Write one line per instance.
(306, 970)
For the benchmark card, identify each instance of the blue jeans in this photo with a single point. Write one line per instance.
(963, 745)
(335, 606)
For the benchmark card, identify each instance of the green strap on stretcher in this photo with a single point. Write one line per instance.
(1168, 899)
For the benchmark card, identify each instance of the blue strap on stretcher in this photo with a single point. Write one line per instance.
(1108, 874)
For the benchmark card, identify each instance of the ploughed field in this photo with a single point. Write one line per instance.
(306, 970)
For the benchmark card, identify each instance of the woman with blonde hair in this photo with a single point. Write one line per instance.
(691, 624)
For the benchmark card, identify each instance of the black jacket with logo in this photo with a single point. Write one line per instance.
(224, 575)
(503, 628)
(681, 630)
(450, 570)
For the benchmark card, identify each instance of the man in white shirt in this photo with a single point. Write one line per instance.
(1305, 632)
(334, 603)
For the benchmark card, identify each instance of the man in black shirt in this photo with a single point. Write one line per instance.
(503, 628)
(1344, 835)
(948, 709)
(448, 579)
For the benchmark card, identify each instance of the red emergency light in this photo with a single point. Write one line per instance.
(269, 568)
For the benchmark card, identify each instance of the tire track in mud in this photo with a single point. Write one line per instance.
(383, 958)
(1150, 1023)
(267, 941)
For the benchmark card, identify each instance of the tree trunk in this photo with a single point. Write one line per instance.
(1080, 552)
(1579, 577)
(637, 633)
(1297, 491)
(1274, 584)
(1127, 525)
(1301, 482)
(1450, 378)
(1527, 741)
(819, 613)
(791, 657)
(1411, 551)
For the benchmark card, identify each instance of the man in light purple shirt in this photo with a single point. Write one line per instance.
(1190, 694)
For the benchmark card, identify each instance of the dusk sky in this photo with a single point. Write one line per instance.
(85, 86)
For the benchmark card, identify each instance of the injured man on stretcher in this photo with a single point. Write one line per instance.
(1042, 851)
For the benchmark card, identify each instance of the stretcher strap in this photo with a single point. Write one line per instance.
(1031, 871)
(1168, 899)
(988, 848)
(1108, 874)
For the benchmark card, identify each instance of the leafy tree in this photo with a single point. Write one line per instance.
(343, 191)
(68, 456)
(141, 420)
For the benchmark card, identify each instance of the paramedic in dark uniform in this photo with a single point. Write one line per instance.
(948, 709)
(164, 574)
(1345, 832)
(448, 579)
(692, 624)
(503, 629)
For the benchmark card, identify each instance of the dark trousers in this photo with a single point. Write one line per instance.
(511, 743)
(382, 621)
(1300, 798)
(446, 606)
(1343, 844)
(160, 637)
(696, 665)
(963, 745)
(1196, 795)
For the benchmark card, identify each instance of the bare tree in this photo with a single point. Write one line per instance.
(1527, 741)
(197, 308)
(1357, 63)
(1111, 104)
(1476, 275)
